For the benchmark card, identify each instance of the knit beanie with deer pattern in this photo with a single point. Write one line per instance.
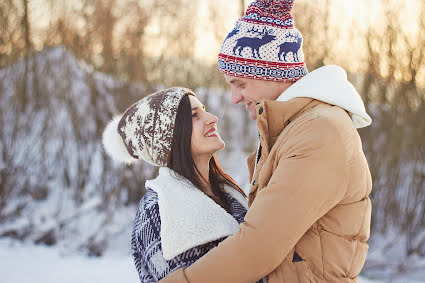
(264, 44)
(145, 130)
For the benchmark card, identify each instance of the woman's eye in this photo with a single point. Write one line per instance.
(194, 115)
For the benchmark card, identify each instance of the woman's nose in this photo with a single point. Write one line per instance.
(211, 119)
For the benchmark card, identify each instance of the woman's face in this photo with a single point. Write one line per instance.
(205, 138)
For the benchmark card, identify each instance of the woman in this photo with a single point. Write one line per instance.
(192, 205)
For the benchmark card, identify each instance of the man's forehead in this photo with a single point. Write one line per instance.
(232, 80)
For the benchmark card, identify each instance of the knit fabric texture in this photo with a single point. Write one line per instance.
(147, 127)
(146, 240)
(264, 44)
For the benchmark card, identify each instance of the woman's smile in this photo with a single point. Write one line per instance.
(211, 133)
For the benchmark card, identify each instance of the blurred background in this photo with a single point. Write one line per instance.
(67, 67)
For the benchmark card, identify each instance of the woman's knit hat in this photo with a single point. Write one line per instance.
(264, 45)
(145, 130)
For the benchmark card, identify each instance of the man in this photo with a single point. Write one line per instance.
(309, 214)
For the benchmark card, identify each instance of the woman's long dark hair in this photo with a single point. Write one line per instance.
(182, 162)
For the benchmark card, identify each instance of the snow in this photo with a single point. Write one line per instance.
(23, 262)
(59, 181)
(74, 194)
(388, 259)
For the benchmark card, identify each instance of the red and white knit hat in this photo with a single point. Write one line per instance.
(264, 44)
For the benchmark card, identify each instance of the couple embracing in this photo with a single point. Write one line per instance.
(307, 215)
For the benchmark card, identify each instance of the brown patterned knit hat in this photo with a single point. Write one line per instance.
(145, 130)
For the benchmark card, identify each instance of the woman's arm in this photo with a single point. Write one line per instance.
(146, 233)
(142, 269)
(137, 251)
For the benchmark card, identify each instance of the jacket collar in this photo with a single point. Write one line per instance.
(189, 218)
(330, 85)
(276, 115)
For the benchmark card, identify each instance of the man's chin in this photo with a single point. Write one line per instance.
(252, 116)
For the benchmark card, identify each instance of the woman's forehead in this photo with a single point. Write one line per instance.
(194, 102)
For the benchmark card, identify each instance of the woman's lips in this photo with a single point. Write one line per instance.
(211, 133)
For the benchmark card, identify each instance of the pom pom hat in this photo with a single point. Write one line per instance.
(264, 44)
(145, 130)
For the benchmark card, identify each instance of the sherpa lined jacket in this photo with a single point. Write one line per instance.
(176, 224)
(309, 214)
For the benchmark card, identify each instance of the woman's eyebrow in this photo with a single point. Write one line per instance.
(195, 108)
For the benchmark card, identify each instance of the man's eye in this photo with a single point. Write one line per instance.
(241, 85)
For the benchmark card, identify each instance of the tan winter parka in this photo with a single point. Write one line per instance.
(309, 214)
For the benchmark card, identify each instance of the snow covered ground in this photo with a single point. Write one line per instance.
(24, 263)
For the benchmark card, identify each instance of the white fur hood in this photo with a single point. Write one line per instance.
(189, 218)
(329, 84)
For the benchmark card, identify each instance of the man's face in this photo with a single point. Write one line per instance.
(250, 91)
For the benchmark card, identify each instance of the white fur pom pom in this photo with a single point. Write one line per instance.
(113, 143)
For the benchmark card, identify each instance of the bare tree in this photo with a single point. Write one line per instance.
(395, 98)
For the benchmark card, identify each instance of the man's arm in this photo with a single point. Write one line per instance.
(310, 179)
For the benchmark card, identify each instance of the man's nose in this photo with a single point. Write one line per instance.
(236, 97)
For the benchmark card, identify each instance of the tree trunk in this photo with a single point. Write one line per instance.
(27, 38)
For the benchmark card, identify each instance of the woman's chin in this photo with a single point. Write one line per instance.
(217, 148)
(221, 148)
(222, 145)
(209, 149)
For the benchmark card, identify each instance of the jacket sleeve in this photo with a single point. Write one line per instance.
(145, 241)
(138, 249)
(144, 275)
(311, 177)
